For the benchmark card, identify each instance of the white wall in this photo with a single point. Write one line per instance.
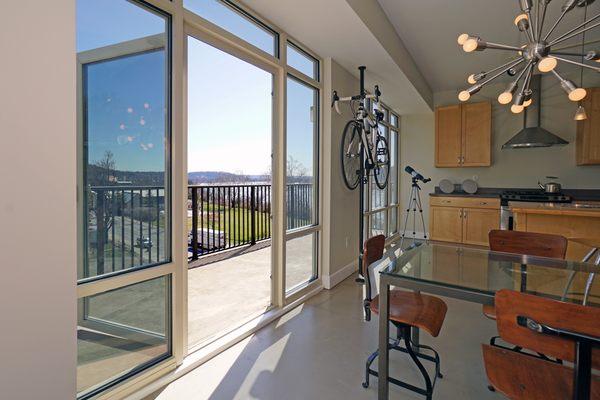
(510, 168)
(37, 201)
(341, 216)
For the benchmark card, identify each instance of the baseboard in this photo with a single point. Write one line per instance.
(330, 281)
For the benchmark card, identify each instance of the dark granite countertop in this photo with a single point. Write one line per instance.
(576, 194)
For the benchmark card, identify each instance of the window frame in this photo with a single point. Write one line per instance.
(391, 232)
(90, 286)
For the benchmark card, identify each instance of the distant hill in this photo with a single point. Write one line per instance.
(199, 177)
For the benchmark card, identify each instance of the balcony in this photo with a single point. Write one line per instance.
(229, 232)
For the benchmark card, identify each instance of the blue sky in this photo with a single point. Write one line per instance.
(229, 100)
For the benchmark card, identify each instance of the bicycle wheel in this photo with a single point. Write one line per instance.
(382, 162)
(350, 154)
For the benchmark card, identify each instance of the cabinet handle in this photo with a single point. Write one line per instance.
(483, 203)
(464, 214)
(459, 158)
(460, 214)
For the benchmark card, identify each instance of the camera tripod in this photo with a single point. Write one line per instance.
(414, 205)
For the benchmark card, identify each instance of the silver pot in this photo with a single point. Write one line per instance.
(550, 187)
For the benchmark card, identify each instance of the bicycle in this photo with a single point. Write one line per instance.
(362, 133)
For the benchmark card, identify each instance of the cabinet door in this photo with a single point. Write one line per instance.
(445, 224)
(588, 131)
(477, 224)
(477, 134)
(448, 132)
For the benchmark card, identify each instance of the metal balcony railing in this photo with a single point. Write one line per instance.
(126, 225)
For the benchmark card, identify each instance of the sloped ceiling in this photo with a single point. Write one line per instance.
(429, 29)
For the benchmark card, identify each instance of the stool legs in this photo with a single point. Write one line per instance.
(404, 336)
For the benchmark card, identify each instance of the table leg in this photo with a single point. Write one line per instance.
(384, 334)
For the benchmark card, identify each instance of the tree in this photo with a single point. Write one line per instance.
(295, 169)
(106, 166)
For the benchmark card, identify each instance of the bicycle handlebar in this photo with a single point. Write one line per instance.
(336, 99)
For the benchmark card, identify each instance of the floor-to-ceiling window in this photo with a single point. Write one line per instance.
(124, 290)
(134, 116)
(302, 172)
(381, 205)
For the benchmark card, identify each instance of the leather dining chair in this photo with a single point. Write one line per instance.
(567, 331)
(408, 310)
(524, 243)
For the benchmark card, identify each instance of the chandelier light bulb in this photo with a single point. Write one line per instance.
(505, 97)
(516, 109)
(580, 114)
(470, 45)
(464, 95)
(547, 64)
(471, 79)
(520, 17)
(527, 103)
(577, 94)
(462, 38)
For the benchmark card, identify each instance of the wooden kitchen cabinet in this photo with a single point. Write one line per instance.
(446, 224)
(466, 220)
(588, 131)
(463, 135)
(477, 224)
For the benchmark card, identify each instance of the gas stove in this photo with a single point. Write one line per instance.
(533, 196)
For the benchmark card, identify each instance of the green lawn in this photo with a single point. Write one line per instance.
(235, 223)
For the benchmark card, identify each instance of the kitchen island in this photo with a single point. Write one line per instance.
(571, 220)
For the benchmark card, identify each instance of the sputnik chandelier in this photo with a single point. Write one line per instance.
(540, 51)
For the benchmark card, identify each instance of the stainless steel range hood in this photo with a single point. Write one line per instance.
(532, 134)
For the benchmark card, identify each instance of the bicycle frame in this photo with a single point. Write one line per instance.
(367, 125)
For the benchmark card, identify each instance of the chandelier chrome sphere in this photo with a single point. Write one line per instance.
(540, 51)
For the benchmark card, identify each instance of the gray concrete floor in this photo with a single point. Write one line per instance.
(317, 351)
(225, 294)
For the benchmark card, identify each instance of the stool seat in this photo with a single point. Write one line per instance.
(521, 376)
(489, 311)
(415, 309)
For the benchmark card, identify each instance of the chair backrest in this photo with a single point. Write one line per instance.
(569, 316)
(372, 251)
(528, 243)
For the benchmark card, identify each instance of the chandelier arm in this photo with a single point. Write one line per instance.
(597, 69)
(514, 64)
(587, 28)
(537, 20)
(525, 69)
(570, 46)
(503, 65)
(498, 46)
(577, 27)
(566, 53)
(562, 15)
(541, 19)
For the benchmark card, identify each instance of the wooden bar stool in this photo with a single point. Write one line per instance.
(408, 310)
(566, 331)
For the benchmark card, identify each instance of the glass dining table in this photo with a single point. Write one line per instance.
(473, 275)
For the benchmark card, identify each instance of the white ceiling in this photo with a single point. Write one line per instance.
(332, 28)
(429, 29)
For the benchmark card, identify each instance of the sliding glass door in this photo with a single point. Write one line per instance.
(124, 120)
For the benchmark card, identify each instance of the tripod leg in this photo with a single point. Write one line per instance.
(408, 207)
(421, 213)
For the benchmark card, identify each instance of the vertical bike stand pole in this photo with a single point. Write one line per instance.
(361, 172)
